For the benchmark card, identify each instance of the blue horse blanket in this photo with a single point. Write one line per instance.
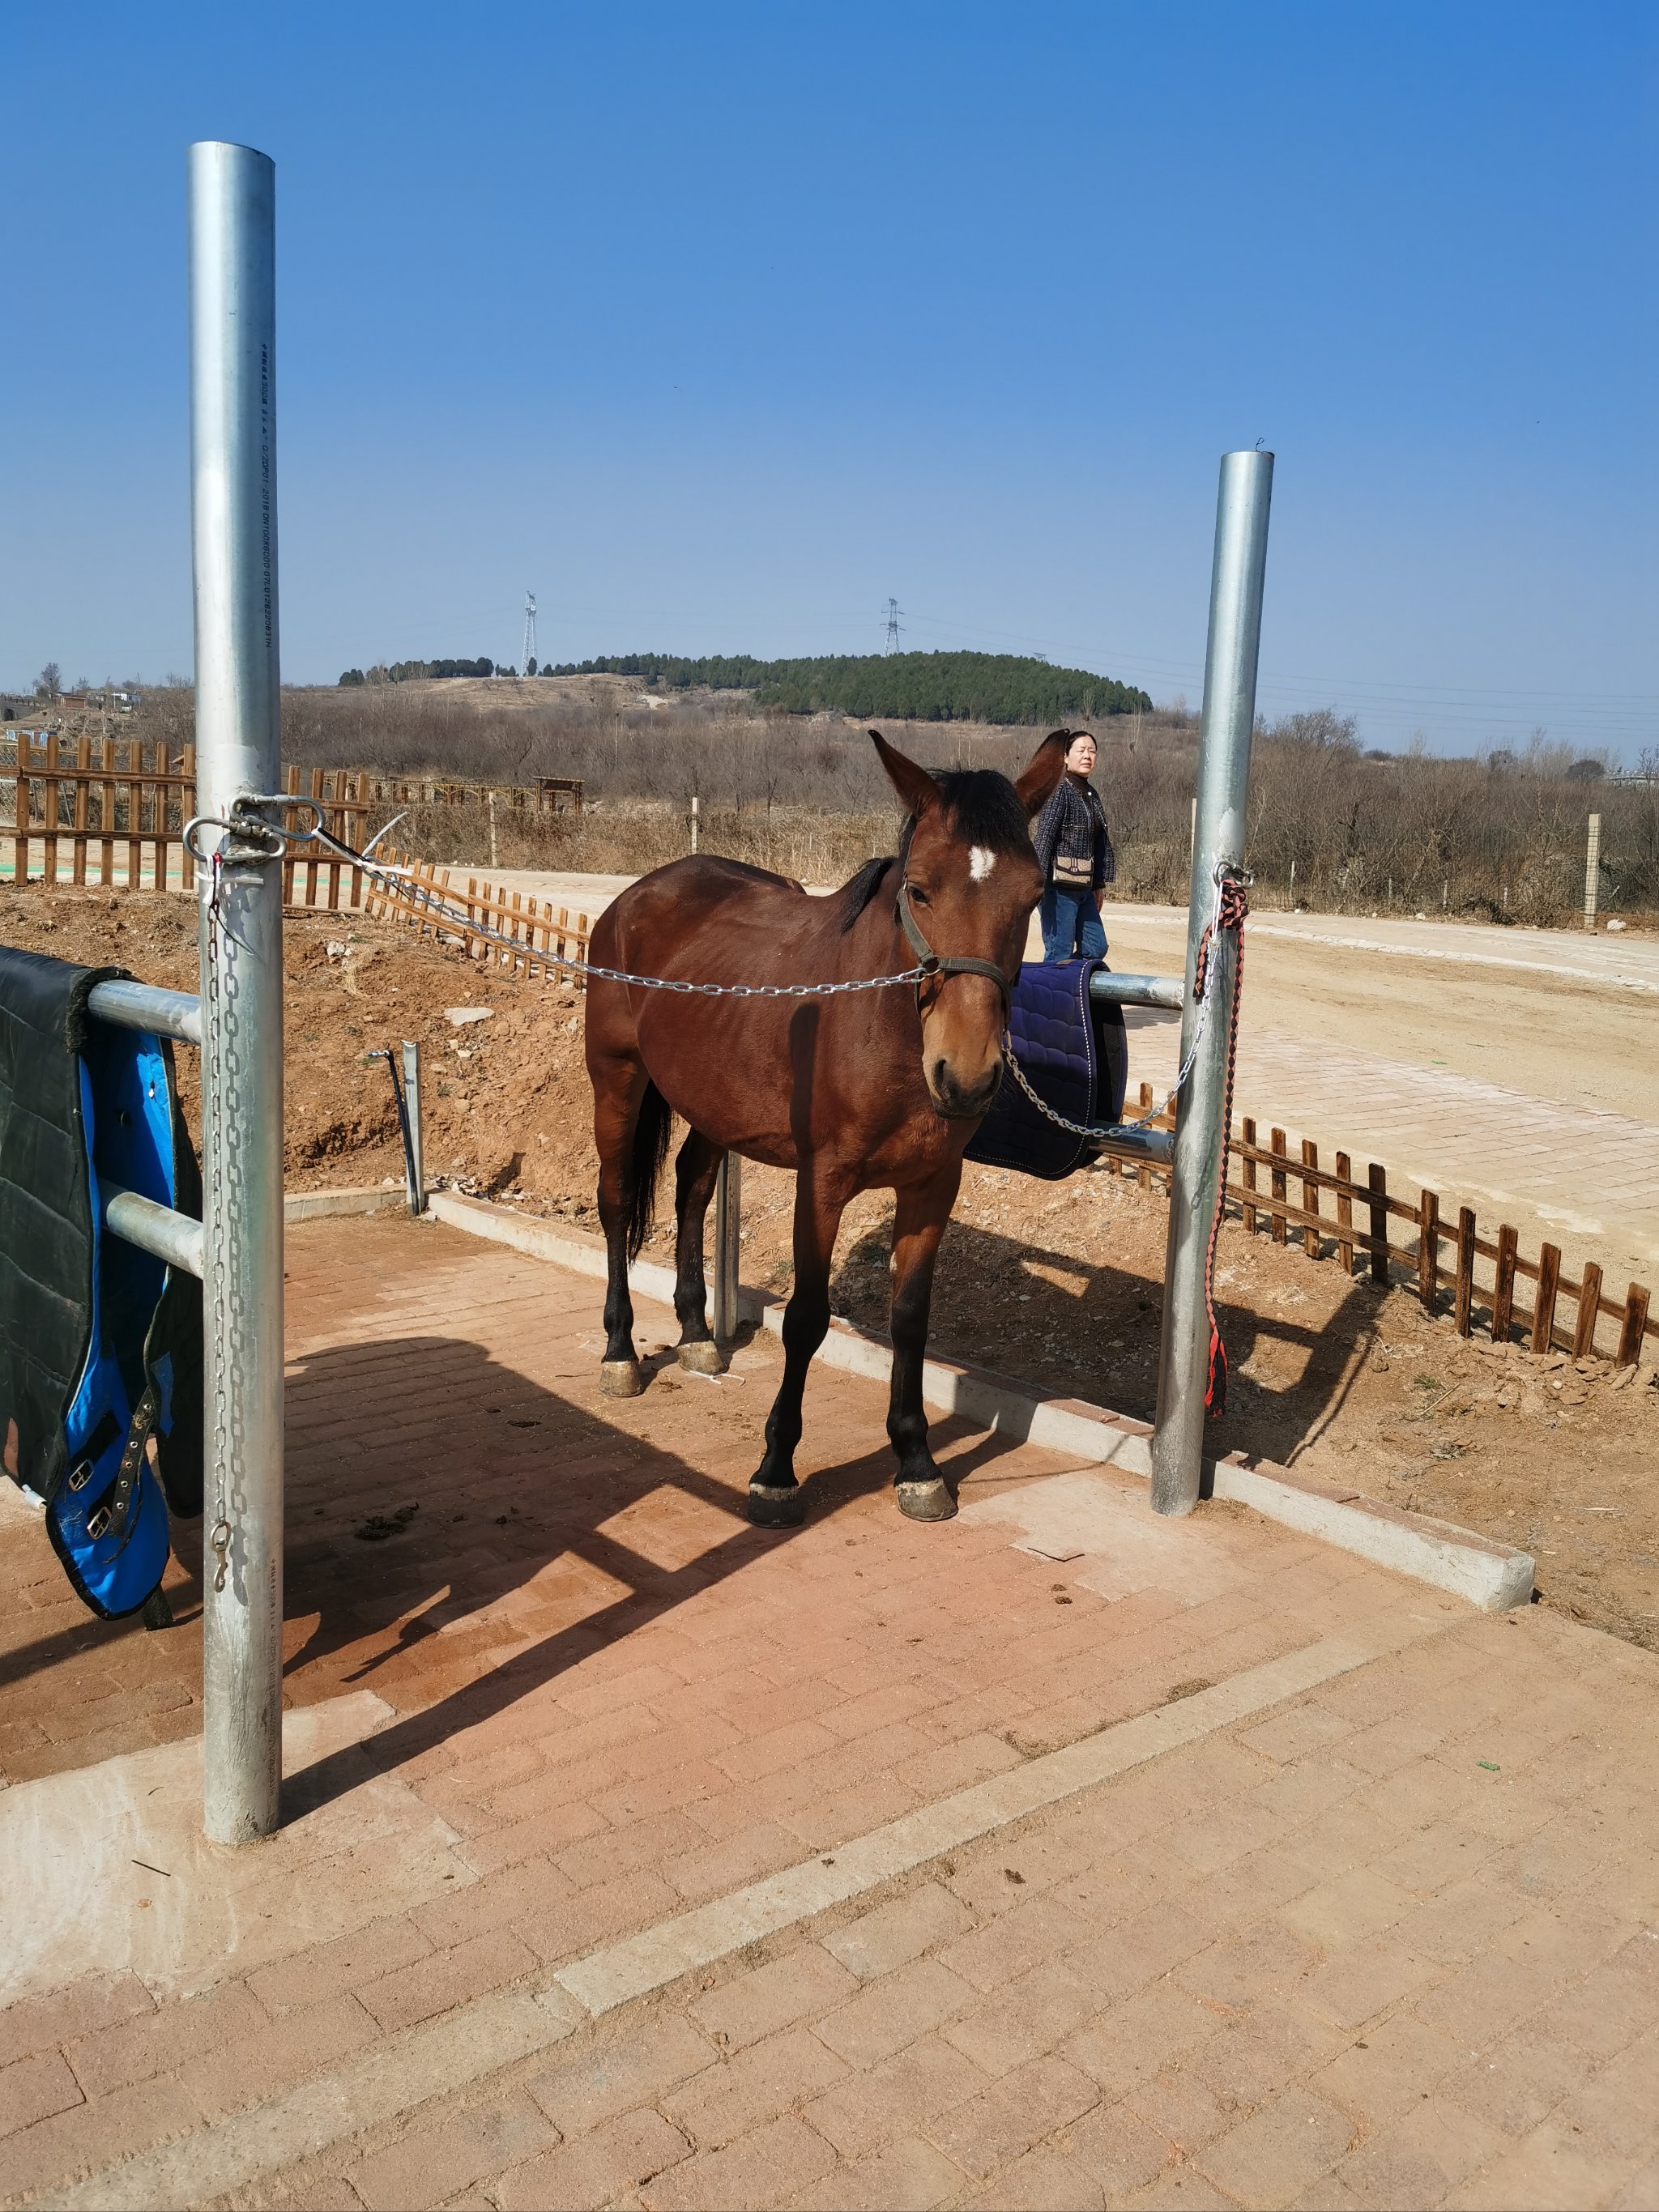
(101, 1344)
(1074, 1055)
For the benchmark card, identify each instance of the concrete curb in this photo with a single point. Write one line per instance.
(324, 1205)
(1489, 1575)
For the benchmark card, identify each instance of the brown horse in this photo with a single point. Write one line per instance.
(874, 1089)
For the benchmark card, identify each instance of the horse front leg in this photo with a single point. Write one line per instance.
(919, 1223)
(774, 1497)
(695, 1168)
(619, 1087)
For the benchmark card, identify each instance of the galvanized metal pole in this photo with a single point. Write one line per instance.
(1224, 776)
(234, 516)
(417, 1175)
(728, 1229)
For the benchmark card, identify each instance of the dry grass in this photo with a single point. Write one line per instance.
(1499, 839)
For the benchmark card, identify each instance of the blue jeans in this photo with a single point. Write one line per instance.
(1071, 925)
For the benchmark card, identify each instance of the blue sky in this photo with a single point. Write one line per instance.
(716, 324)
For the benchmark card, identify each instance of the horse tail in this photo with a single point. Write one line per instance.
(651, 1135)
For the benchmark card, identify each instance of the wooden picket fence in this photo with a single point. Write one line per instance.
(1337, 1235)
(541, 934)
(119, 805)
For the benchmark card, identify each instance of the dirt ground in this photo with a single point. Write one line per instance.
(1060, 1285)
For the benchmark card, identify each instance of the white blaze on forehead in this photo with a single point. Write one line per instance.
(981, 862)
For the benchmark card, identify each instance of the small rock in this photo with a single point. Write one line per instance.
(336, 949)
(459, 1017)
(1615, 923)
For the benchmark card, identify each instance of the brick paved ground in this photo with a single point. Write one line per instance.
(1392, 1939)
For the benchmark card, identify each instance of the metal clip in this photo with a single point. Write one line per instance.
(219, 1541)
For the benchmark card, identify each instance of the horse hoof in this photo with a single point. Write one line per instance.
(926, 1501)
(701, 1360)
(776, 1508)
(619, 1378)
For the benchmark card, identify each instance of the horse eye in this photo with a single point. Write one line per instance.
(918, 897)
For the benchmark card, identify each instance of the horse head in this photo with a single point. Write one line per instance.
(969, 882)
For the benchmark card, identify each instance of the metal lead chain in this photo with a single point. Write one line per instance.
(1121, 1128)
(220, 1544)
(462, 922)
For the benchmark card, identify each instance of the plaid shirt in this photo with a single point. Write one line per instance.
(1073, 824)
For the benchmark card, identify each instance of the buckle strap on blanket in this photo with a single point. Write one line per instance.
(110, 1517)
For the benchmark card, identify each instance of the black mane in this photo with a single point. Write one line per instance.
(857, 891)
(985, 809)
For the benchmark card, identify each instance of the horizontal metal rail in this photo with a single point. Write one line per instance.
(1112, 990)
(1155, 1146)
(155, 1229)
(141, 1007)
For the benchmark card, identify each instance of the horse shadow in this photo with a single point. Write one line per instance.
(1089, 1330)
(542, 1534)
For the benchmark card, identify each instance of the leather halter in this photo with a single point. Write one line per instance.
(950, 964)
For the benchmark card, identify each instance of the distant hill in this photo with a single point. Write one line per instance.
(922, 687)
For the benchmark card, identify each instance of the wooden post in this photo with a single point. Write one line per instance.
(1377, 1183)
(1345, 1215)
(82, 773)
(317, 781)
(1309, 1198)
(1428, 1248)
(1276, 1184)
(51, 811)
(1590, 1302)
(1543, 1304)
(1635, 1322)
(20, 814)
(1464, 1295)
(135, 791)
(1502, 1289)
(1247, 1169)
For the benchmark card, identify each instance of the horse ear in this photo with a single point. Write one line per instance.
(909, 779)
(1044, 771)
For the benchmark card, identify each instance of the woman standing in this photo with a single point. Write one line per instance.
(1074, 851)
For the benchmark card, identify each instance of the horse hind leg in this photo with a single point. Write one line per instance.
(696, 1169)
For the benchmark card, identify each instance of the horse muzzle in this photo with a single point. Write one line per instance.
(960, 1102)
